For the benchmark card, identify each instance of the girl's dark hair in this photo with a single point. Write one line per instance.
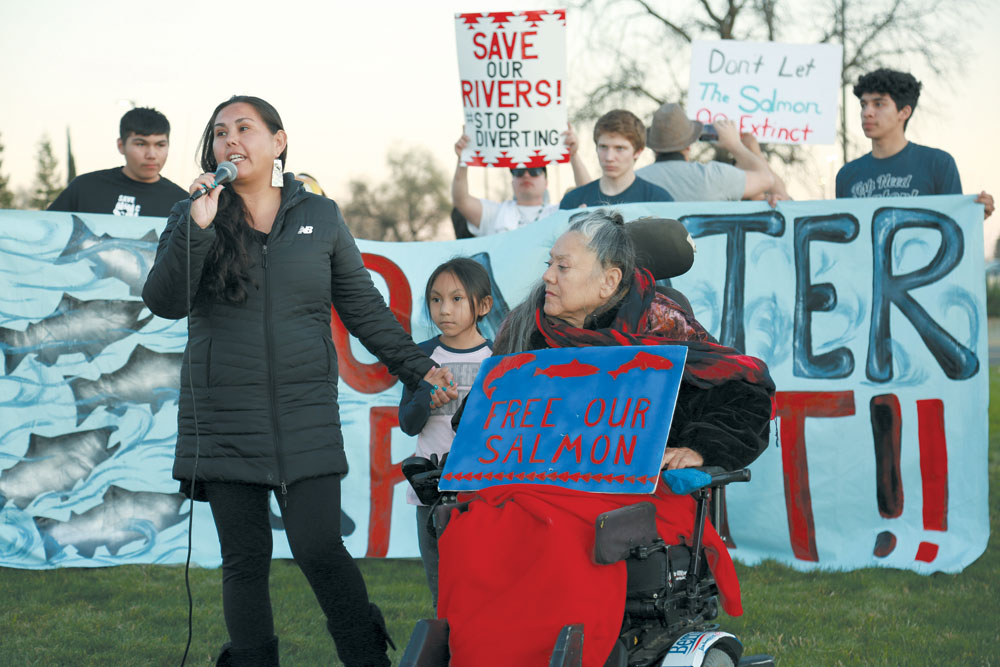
(226, 275)
(471, 275)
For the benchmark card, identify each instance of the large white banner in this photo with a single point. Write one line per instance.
(869, 313)
(781, 93)
(512, 67)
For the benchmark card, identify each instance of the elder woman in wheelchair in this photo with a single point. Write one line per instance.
(519, 565)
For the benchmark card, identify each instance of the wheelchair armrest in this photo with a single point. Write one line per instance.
(696, 480)
(721, 477)
(619, 531)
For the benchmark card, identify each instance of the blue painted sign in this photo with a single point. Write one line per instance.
(586, 418)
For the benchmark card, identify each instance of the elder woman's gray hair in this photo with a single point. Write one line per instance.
(604, 230)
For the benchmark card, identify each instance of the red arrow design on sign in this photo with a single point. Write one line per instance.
(470, 19)
(534, 16)
(499, 18)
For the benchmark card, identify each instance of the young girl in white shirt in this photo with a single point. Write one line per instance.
(458, 297)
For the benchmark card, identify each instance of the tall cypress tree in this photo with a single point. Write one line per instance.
(6, 196)
(46, 187)
(70, 162)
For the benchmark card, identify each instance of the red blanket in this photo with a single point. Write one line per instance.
(518, 566)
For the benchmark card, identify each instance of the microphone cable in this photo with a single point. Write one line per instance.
(197, 451)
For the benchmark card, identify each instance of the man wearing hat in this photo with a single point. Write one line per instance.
(670, 136)
(530, 203)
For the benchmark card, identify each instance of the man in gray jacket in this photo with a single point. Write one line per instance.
(671, 135)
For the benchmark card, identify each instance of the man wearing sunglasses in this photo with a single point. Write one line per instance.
(529, 204)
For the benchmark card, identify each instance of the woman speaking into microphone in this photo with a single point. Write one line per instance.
(256, 266)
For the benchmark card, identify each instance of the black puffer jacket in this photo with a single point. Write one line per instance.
(264, 372)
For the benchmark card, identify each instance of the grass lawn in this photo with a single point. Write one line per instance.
(137, 615)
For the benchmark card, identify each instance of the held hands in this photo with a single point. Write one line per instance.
(204, 208)
(680, 457)
(443, 389)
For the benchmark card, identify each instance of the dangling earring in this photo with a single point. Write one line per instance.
(276, 179)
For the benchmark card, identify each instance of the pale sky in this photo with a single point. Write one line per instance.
(351, 80)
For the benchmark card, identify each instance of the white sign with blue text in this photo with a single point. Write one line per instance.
(780, 93)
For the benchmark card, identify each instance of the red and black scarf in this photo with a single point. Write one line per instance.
(708, 364)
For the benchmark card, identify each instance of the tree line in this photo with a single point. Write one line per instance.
(44, 189)
(411, 204)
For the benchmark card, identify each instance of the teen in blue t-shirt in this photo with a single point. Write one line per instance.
(915, 170)
(896, 166)
(620, 137)
(591, 195)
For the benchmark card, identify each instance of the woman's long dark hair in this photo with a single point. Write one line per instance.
(226, 274)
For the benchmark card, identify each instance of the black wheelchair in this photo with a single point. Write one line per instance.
(671, 596)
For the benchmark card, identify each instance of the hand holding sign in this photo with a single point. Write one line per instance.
(570, 140)
(461, 145)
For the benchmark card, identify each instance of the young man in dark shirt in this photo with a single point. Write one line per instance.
(620, 137)
(896, 166)
(135, 189)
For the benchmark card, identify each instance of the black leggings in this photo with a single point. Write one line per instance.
(312, 524)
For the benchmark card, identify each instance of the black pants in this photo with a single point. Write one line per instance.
(312, 524)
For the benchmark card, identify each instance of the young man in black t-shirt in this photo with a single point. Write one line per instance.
(135, 189)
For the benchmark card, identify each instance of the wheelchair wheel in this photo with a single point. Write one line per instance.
(717, 658)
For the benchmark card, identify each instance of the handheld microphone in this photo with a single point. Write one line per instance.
(225, 172)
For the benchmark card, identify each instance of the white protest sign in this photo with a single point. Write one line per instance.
(781, 93)
(512, 67)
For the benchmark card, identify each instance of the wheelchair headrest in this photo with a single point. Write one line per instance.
(661, 245)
